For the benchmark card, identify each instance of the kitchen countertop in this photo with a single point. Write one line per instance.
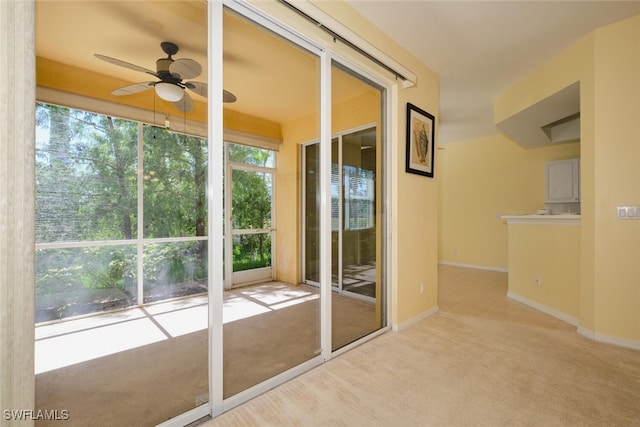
(559, 219)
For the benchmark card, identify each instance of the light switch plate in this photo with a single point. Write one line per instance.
(628, 212)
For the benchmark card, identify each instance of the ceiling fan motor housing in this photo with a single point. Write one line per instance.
(162, 69)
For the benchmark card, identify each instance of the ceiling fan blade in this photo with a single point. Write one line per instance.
(202, 89)
(185, 104)
(228, 97)
(125, 64)
(138, 87)
(197, 87)
(185, 68)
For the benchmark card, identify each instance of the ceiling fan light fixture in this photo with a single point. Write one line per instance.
(169, 91)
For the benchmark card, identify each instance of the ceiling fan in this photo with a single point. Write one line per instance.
(172, 73)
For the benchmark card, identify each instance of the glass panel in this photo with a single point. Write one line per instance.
(311, 213)
(174, 270)
(101, 353)
(251, 155)
(251, 199)
(273, 326)
(336, 218)
(175, 178)
(77, 281)
(87, 197)
(358, 307)
(251, 251)
(359, 201)
(86, 179)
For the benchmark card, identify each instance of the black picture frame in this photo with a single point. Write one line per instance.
(420, 141)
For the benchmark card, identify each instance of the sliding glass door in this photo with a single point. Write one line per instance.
(271, 322)
(357, 248)
(191, 257)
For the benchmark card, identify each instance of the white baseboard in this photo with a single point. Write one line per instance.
(586, 333)
(621, 342)
(543, 308)
(400, 326)
(188, 417)
(607, 339)
(477, 267)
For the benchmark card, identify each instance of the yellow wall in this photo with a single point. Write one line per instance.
(551, 253)
(251, 124)
(573, 64)
(481, 180)
(617, 179)
(287, 207)
(288, 237)
(607, 64)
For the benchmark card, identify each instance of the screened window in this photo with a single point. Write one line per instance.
(120, 213)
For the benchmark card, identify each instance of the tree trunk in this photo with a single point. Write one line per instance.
(120, 169)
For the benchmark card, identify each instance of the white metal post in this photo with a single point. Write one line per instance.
(325, 204)
(215, 206)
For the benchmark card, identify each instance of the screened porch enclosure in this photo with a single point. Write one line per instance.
(121, 216)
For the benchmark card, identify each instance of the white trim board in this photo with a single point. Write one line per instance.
(474, 266)
(543, 308)
(607, 339)
(396, 327)
(587, 333)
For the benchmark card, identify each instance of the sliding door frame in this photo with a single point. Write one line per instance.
(388, 92)
(217, 404)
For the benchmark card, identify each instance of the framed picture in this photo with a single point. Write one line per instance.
(420, 141)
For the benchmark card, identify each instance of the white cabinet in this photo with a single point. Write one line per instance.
(562, 181)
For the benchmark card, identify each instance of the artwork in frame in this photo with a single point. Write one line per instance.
(420, 141)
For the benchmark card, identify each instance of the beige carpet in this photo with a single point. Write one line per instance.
(150, 384)
(481, 361)
(258, 348)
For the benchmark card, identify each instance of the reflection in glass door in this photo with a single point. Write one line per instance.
(353, 214)
(311, 200)
(356, 192)
(358, 257)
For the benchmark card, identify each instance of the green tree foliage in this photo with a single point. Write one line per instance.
(87, 191)
(175, 177)
(251, 205)
(85, 176)
(88, 185)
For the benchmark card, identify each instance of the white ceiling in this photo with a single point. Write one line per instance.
(480, 48)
